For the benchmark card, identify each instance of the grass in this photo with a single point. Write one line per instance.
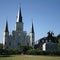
(29, 57)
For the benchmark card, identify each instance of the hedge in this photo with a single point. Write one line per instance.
(40, 52)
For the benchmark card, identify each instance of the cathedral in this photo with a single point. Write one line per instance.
(18, 37)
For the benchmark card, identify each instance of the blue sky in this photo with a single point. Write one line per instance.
(45, 15)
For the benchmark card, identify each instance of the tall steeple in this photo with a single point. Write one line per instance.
(19, 23)
(32, 36)
(6, 27)
(19, 17)
(32, 28)
(6, 36)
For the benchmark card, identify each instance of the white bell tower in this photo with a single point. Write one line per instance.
(32, 36)
(6, 36)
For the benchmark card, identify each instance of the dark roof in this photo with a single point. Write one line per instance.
(44, 38)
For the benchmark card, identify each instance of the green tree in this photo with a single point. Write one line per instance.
(24, 49)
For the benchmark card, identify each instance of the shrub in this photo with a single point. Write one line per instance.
(24, 49)
(40, 52)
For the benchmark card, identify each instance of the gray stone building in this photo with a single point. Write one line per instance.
(18, 37)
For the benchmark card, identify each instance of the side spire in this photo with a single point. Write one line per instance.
(19, 17)
(6, 28)
(32, 28)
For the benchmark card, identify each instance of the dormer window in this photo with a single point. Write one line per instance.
(49, 40)
(46, 41)
(42, 41)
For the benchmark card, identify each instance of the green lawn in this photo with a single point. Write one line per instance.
(30, 57)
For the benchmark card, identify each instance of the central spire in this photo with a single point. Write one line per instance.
(6, 28)
(19, 17)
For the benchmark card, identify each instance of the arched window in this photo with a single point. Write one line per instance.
(19, 44)
(27, 44)
(5, 42)
(9, 43)
(49, 40)
(46, 41)
(32, 43)
(42, 41)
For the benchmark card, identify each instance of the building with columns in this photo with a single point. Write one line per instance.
(18, 37)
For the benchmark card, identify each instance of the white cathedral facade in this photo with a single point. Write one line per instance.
(18, 37)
